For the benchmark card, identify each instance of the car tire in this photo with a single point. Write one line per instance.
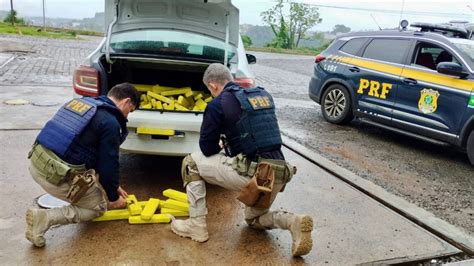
(470, 147)
(336, 105)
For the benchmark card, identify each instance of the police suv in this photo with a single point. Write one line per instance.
(419, 83)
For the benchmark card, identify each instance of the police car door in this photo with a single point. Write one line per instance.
(428, 102)
(375, 76)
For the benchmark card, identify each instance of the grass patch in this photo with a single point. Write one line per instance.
(48, 32)
(298, 51)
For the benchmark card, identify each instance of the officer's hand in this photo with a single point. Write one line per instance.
(122, 192)
(118, 204)
(221, 144)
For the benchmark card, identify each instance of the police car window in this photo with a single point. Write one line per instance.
(428, 55)
(353, 46)
(467, 46)
(390, 50)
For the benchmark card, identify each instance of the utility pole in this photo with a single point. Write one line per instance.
(44, 17)
(11, 12)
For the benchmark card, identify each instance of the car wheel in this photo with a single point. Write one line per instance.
(336, 105)
(470, 147)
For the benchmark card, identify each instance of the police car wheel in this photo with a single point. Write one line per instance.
(470, 147)
(336, 105)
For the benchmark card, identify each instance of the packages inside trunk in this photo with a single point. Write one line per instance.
(163, 86)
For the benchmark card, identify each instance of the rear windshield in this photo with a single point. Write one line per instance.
(467, 46)
(170, 43)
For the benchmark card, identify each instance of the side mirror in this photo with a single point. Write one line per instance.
(251, 59)
(452, 69)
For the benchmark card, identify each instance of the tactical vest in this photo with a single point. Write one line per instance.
(258, 125)
(61, 133)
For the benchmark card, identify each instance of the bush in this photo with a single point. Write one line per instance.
(247, 41)
(73, 33)
(12, 16)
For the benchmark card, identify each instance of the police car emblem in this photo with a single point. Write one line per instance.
(428, 102)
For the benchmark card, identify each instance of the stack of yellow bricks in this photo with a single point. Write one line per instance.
(156, 97)
(144, 212)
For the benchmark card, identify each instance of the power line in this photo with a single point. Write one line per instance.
(417, 13)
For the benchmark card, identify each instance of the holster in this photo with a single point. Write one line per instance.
(80, 184)
(258, 191)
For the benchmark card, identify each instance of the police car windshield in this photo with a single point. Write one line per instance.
(170, 43)
(467, 46)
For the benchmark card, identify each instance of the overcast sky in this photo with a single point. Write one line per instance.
(386, 13)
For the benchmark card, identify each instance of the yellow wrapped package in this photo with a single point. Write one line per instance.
(176, 92)
(176, 213)
(113, 215)
(133, 206)
(176, 195)
(143, 87)
(176, 205)
(150, 209)
(155, 219)
(159, 97)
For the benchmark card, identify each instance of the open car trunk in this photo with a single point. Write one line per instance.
(154, 131)
(152, 74)
(159, 73)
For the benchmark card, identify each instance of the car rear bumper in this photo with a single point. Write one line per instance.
(159, 145)
(185, 140)
(315, 89)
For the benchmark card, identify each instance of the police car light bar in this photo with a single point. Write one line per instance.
(445, 29)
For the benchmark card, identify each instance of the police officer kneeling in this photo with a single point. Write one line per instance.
(76, 158)
(253, 162)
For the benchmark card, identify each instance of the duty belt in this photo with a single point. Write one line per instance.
(54, 168)
(283, 170)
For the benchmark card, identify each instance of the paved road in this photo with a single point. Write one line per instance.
(43, 61)
(438, 179)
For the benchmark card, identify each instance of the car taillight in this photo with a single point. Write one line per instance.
(86, 81)
(319, 58)
(245, 82)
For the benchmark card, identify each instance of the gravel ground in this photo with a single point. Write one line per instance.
(439, 179)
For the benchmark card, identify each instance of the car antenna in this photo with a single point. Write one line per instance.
(401, 15)
(375, 21)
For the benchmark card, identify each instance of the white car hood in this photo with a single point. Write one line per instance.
(207, 17)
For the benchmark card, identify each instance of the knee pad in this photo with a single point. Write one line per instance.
(189, 170)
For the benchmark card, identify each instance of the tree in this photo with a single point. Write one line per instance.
(246, 40)
(290, 28)
(12, 18)
(339, 28)
(318, 36)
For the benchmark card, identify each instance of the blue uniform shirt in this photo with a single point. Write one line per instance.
(220, 117)
(102, 134)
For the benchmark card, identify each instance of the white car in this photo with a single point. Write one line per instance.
(170, 43)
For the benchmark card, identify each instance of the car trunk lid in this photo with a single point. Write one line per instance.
(214, 18)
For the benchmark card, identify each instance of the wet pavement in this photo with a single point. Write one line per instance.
(350, 228)
(5, 59)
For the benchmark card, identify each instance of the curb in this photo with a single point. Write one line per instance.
(453, 235)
